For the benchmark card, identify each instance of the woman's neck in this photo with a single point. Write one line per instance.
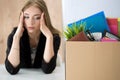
(34, 39)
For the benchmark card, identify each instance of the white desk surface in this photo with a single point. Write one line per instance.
(33, 74)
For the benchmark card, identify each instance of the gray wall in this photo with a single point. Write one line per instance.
(77, 9)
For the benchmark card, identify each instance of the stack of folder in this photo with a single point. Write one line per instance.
(94, 23)
(113, 25)
(99, 23)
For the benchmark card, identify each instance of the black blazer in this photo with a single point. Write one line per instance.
(25, 54)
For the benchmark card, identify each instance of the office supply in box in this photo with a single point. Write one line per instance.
(110, 35)
(94, 23)
(106, 39)
(80, 37)
(119, 27)
(113, 25)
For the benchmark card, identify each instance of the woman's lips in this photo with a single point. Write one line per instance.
(30, 27)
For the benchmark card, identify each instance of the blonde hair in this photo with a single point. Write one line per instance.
(42, 6)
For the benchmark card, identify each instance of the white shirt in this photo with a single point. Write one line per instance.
(33, 53)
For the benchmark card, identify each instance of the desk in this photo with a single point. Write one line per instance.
(33, 74)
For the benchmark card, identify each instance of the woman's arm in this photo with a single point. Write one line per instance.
(51, 47)
(13, 53)
(10, 62)
(48, 52)
(48, 67)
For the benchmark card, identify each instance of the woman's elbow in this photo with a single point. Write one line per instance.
(48, 70)
(12, 72)
(10, 69)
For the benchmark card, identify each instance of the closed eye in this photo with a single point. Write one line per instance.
(37, 18)
(26, 17)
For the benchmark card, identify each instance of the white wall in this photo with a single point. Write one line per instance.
(77, 9)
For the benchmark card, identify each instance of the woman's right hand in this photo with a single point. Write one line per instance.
(20, 28)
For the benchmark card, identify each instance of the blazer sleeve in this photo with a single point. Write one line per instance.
(49, 67)
(9, 67)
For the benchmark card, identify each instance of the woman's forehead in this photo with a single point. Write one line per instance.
(32, 10)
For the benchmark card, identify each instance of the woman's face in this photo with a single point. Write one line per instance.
(32, 17)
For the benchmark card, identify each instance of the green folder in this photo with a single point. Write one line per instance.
(119, 27)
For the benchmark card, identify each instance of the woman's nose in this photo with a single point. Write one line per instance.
(31, 21)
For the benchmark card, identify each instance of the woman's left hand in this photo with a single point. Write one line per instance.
(43, 28)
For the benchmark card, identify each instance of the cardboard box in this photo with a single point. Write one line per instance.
(92, 60)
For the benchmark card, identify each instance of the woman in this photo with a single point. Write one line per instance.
(34, 43)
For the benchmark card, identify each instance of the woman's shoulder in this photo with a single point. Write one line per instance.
(56, 36)
(57, 41)
(10, 36)
(13, 31)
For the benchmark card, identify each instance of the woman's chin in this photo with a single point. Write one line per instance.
(31, 31)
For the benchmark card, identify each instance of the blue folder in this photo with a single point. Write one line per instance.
(94, 23)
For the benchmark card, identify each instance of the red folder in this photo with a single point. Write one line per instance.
(113, 25)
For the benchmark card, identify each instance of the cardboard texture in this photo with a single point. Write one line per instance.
(92, 60)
